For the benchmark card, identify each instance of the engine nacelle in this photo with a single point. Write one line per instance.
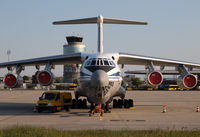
(13, 80)
(45, 78)
(154, 78)
(187, 81)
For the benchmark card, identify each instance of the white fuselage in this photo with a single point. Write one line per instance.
(100, 78)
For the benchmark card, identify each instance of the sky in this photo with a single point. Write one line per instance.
(173, 31)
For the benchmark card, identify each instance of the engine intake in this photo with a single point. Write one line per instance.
(187, 81)
(154, 78)
(45, 78)
(13, 80)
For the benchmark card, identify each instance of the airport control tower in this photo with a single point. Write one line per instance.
(74, 45)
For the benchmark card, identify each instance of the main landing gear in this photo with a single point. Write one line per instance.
(120, 103)
(101, 108)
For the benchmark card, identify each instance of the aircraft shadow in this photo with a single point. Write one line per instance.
(24, 109)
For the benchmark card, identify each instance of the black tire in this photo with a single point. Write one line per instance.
(80, 103)
(114, 103)
(39, 110)
(85, 103)
(107, 109)
(66, 108)
(54, 109)
(130, 102)
(91, 107)
(126, 103)
(73, 104)
(120, 103)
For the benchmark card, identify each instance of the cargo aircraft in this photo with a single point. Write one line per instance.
(100, 76)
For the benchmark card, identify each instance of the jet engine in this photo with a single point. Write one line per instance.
(154, 78)
(187, 81)
(13, 80)
(45, 77)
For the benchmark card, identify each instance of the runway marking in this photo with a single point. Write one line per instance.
(148, 105)
(114, 120)
(118, 120)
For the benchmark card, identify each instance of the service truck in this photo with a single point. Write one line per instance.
(54, 101)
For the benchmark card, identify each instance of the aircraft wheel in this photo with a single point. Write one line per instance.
(80, 103)
(114, 103)
(120, 103)
(54, 109)
(66, 108)
(126, 103)
(39, 110)
(73, 104)
(107, 109)
(92, 107)
(130, 102)
(84, 103)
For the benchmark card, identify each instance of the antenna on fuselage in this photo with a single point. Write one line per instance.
(100, 20)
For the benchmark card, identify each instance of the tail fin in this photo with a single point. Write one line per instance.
(100, 21)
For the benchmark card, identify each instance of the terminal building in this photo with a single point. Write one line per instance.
(74, 45)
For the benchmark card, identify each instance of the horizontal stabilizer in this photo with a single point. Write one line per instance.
(95, 20)
(121, 21)
(77, 21)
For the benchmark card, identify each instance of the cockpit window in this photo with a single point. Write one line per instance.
(88, 63)
(99, 62)
(106, 63)
(111, 63)
(93, 62)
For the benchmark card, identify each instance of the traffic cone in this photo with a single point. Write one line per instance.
(164, 109)
(34, 109)
(197, 108)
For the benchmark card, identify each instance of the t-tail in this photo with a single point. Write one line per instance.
(100, 20)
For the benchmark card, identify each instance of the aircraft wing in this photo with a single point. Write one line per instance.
(133, 59)
(74, 58)
(164, 72)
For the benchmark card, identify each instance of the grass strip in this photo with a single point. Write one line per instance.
(28, 131)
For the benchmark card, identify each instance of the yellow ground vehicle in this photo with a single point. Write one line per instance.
(128, 88)
(54, 101)
(152, 88)
(72, 86)
(173, 87)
